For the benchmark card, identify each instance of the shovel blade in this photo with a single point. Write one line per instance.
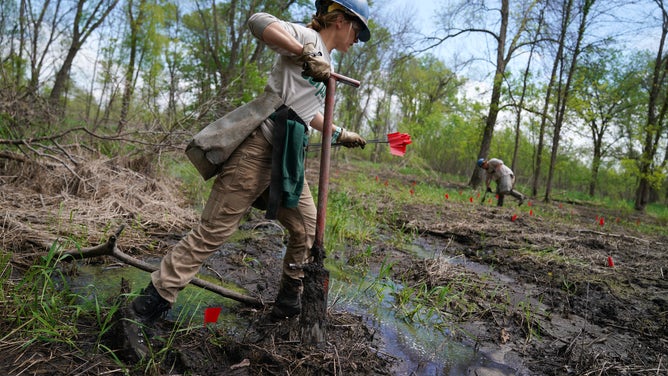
(314, 302)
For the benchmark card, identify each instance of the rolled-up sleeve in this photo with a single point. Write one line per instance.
(258, 22)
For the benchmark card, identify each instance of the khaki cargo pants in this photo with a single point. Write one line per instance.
(245, 176)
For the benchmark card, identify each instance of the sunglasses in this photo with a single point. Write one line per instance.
(356, 27)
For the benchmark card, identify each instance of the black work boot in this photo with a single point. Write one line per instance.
(500, 201)
(288, 301)
(140, 316)
(149, 305)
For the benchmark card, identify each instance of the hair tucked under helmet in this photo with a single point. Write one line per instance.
(358, 9)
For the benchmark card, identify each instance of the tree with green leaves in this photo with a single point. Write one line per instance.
(426, 91)
(581, 10)
(466, 18)
(605, 89)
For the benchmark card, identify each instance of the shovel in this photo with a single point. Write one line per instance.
(316, 277)
(484, 196)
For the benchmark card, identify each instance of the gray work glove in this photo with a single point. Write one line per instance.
(351, 139)
(314, 64)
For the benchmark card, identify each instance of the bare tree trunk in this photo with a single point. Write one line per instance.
(655, 118)
(38, 47)
(85, 22)
(493, 113)
(22, 39)
(525, 84)
(543, 125)
(91, 89)
(596, 160)
(565, 89)
(503, 57)
(135, 24)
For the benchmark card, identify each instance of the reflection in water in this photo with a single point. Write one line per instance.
(420, 348)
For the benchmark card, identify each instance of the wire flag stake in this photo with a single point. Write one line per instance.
(397, 141)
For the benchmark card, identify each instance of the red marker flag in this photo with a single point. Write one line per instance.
(398, 142)
(211, 315)
(513, 218)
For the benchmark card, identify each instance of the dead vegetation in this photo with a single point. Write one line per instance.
(81, 204)
(540, 284)
(83, 198)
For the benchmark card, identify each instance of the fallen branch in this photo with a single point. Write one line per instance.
(622, 236)
(123, 137)
(109, 249)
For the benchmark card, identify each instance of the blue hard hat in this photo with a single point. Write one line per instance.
(359, 8)
(481, 161)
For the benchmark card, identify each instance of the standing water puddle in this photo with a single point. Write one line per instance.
(421, 349)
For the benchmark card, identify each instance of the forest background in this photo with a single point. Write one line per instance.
(571, 94)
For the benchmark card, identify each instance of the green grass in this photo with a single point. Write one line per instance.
(365, 204)
(42, 309)
(45, 309)
(358, 210)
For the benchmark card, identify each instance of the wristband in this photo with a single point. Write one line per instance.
(336, 134)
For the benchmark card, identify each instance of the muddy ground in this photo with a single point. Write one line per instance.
(546, 300)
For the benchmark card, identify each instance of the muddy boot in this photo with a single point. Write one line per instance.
(149, 305)
(500, 201)
(288, 301)
(140, 315)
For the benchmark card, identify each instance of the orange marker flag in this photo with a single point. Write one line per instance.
(398, 142)
(211, 315)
